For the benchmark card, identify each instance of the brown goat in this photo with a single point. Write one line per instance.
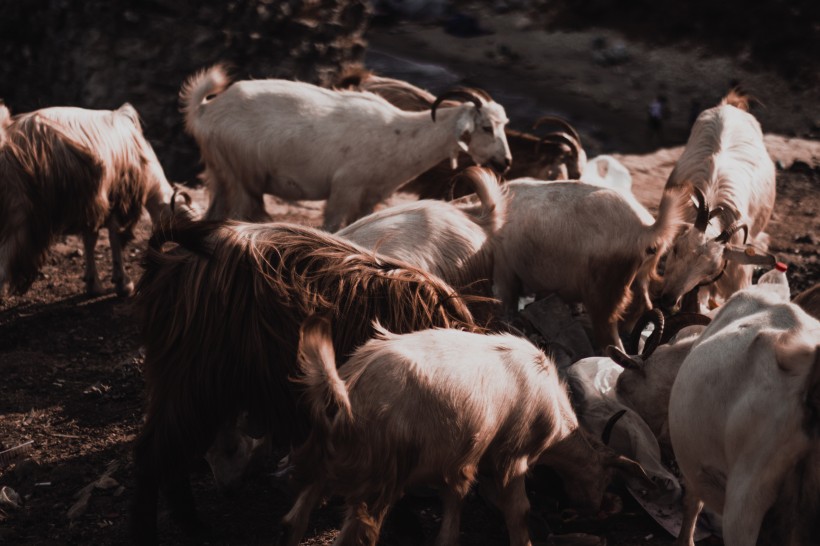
(221, 314)
(558, 155)
(127, 177)
(437, 407)
(40, 197)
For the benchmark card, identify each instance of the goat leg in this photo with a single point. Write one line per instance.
(123, 285)
(91, 278)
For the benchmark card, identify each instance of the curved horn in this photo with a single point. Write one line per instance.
(610, 424)
(560, 138)
(679, 321)
(624, 360)
(702, 219)
(727, 233)
(461, 93)
(560, 122)
(655, 317)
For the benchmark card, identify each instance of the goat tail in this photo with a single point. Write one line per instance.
(198, 88)
(671, 216)
(325, 391)
(492, 196)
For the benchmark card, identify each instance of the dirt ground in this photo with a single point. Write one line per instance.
(70, 377)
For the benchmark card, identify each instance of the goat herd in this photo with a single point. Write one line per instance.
(380, 351)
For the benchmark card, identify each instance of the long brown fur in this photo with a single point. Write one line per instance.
(49, 188)
(220, 316)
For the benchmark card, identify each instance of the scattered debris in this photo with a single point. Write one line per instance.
(9, 497)
(15, 453)
(83, 496)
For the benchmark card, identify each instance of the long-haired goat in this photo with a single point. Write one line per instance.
(437, 407)
(733, 177)
(557, 155)
(451, 242)
(586, 243)
(220, 318)
(299, 141)
(53, 188)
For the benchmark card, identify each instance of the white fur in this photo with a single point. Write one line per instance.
(586, 243)
(449, 241)
(738, 415)
(298, 141)
(727, 160)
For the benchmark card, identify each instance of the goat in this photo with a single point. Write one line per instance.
(583, 242)
(451, 242)
(555, 156)
(733, 178)
(418, 409)
(220, 314)
(299, 141)
(72, 170)
(744, 420)
(591, 382)
(647, 380)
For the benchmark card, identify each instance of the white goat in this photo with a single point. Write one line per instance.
(744, 418)
(726, 162)
(647, 380)
(592, 383)
(452, 242)
(419, 409)
(586, 243)
(72, 170)
(299, 141)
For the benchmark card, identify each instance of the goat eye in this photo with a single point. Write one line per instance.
(651, 250)
(487, 129)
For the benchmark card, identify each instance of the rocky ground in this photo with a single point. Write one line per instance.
(70, 366)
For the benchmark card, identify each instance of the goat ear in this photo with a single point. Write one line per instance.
(748, 255)
(632, 469)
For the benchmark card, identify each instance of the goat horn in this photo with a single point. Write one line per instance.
(605, 435)
(727, 233)
(702, 219)
(462, 93)
(560, 138)
(655, 317)
(623, 359)
(677, 322)
(560, 122)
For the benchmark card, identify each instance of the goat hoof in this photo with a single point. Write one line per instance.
(125, 289)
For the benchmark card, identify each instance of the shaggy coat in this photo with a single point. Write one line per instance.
(221, 311)
(126, 178)
(298, 141)
(558, 156)
(437, 407)
(727, 161)
(47, 188)
(585, 243)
